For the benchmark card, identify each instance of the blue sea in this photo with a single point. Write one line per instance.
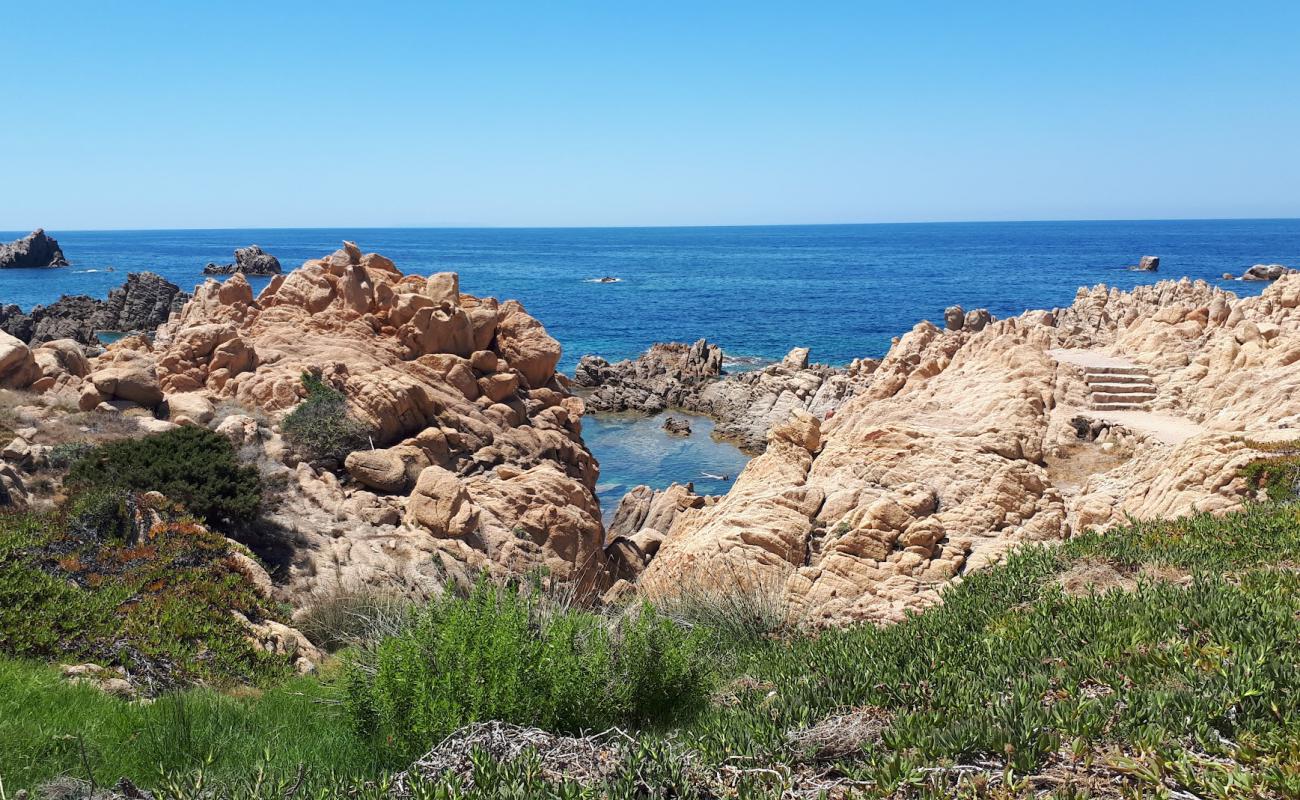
(843, 290)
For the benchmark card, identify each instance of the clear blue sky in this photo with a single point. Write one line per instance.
(267, 114)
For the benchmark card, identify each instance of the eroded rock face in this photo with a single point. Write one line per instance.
(476, 462)
(36, 249)
(938, 464)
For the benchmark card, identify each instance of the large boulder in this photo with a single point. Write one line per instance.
(526, 345)
(36, 249)
(441, 504)
(18, 368)
(1266, 272)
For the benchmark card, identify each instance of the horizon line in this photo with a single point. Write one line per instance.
(702, 226)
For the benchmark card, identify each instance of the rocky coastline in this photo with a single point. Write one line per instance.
(878, 484)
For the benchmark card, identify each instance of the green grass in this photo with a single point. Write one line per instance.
(1185, 680)
(321, 427)
(51, 728)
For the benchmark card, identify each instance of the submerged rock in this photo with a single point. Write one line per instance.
(36, 249)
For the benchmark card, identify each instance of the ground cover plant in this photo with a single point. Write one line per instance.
(123, 581)
(1170, 671)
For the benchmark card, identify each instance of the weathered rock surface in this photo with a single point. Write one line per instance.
(938, 464)
(139, 305)
(690, 377)
(477, 460)
(249, 260)
(36, 249)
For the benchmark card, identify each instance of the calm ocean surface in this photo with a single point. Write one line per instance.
(843, 290)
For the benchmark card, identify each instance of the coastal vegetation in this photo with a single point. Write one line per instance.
(321, 426)
(1156, 659)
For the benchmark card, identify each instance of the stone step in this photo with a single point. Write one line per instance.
(1121, 388)
(1129, 397)
(1119, 406)
(1105, 377)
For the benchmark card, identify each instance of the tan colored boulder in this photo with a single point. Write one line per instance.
(130, 380)
(393, 470)
(18, 368)
(526, 345)
(499, 386)
(441, 504)
(443, 287)
(194, 408)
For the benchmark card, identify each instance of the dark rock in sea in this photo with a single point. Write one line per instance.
(140, 305)
(678, 426)
(249, 260)
(33, 250)
(607, 279)
(1147, 264)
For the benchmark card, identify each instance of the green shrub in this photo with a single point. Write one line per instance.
(506, 655)
(321, 427)
(87, 584)
(352, 617)
(191, 466)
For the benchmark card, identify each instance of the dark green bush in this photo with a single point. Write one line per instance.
(507, 655)
(321, 427)
(190, 466)
(65, 454)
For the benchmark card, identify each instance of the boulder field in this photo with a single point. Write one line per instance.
(878, 484)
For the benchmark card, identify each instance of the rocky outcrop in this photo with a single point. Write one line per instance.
(1267, 272)
(744, 405)
(139, 305)
(36, 249)
(475, 462)
(1147, 264)
(961, 445)
(18, 367)
(249, 260)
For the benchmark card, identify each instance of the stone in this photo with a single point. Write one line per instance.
(1266, 272)
(18, 368)
(1148, 264)
(954, 318)
(34, 250)
(441, 504)
(249, 260)
(193, 408)
(526, 346)
(678, 426)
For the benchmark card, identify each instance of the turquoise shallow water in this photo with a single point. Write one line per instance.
(843, 290)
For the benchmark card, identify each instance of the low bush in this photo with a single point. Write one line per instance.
(321, 427)
(89, 584)
(505, 654)
(189, 465)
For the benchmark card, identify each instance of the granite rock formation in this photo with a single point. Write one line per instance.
(476, 459)
(36, 249)
(963, 444)
(249, 260)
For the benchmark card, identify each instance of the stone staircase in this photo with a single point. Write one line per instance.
(1119, 388)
